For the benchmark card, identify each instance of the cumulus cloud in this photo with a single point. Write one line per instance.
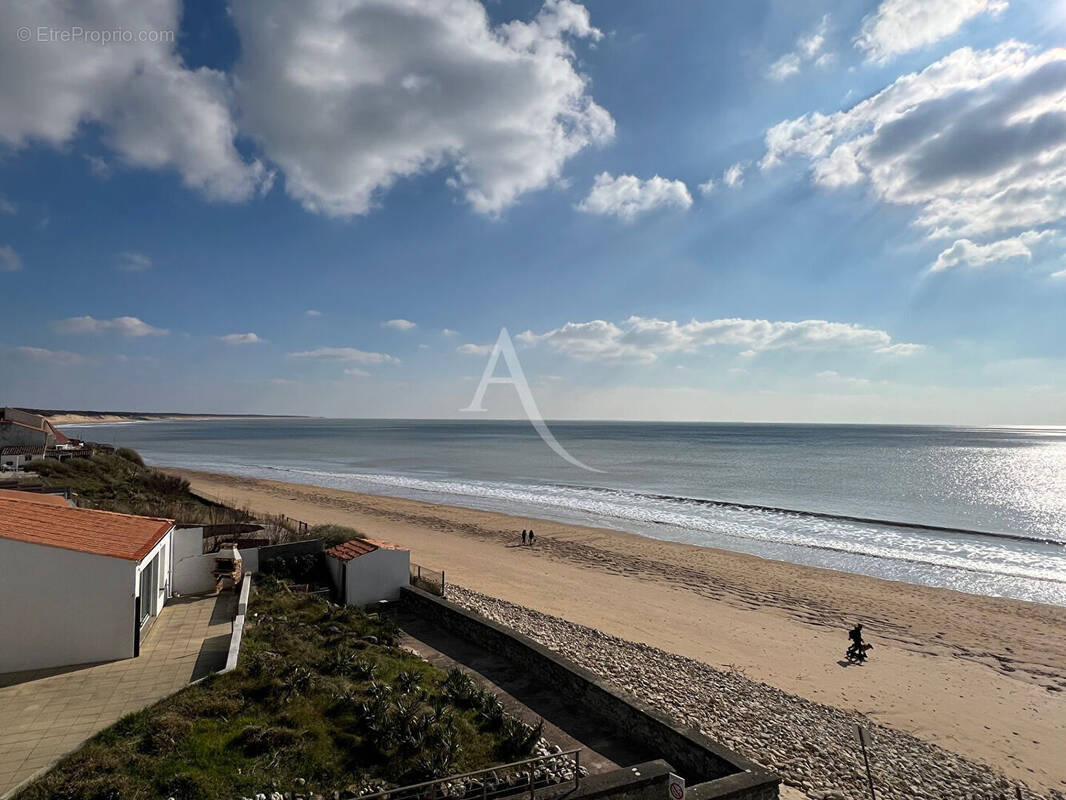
(449, 332)
(644, 340)
(134, 262)
(399, 324)
(898, 26)
(151, 110)
(976, 142)
(62, 358)
(706, 187)
(733, 177)
(627, 196)
(1060, 275)
(808, 49)
(9, 259)
(350, 97)
(474, 349)
(966, 253)
(345, 354)
(131, 327)
(241, 338)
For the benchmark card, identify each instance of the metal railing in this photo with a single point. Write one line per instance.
(525, 780)
(430, 580)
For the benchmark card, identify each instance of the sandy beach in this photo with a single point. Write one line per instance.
(983, 677)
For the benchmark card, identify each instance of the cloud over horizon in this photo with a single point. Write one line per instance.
(130, 327)
(644, 340)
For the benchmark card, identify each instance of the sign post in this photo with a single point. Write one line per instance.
(676, 787)
(863, 736)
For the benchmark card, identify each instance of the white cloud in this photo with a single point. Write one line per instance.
(449, 332)
(835, 377)
(898, 26)
(134, 262)
(474, 349)
(9, 259)
(313, 313)
(975, 142)
(644, 340)
(356, 372)
(241, 338)
(966, 253)
(399, 324)
(733, 177)
(1060, 275)
(126, 326)
(98, 167)
(345, 354)
(151, 110)
(350, 97)
(62, 358)
(706, 187)
(808, 48)
(6, 206)
(627, 196)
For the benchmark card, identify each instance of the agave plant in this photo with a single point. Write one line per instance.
(408, 681)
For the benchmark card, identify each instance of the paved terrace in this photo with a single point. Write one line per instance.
(45, 714)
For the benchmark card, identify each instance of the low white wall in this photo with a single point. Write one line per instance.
(61, 607)
(192, 569)
(378, 575)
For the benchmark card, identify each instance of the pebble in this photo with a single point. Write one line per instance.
(810, 745)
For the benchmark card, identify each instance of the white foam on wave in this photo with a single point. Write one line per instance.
(704, 524)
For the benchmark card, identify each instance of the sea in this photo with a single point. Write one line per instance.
(979, 510)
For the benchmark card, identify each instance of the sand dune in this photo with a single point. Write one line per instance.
(984, 677)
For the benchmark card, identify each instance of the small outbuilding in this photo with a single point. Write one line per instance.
(77, 585)
(365, 571)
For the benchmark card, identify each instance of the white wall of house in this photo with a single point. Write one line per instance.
(192, 568)
(61, 607)
(378, 575)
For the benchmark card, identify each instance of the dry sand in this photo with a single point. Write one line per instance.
(985, 677)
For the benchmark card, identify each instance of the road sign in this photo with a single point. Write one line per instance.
(676, 787)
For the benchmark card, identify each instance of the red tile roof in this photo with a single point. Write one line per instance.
(354, 548)
(34, 497)
(103, 533)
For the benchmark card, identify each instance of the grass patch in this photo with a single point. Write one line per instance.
(120, 481)
(321, 695)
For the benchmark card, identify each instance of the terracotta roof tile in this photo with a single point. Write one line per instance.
(34, 497)
(346, 551)
(103, 533)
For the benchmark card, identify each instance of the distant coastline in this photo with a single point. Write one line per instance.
(65, 417)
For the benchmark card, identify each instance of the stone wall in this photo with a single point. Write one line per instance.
(699, 760)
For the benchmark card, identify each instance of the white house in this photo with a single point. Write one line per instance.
(77, 585)
(365, 571)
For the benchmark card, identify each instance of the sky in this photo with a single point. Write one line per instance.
(739, 210)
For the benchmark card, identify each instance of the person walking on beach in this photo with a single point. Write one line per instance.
(531, 536)
(523, 535)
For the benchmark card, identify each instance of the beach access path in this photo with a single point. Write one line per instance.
(984, 677)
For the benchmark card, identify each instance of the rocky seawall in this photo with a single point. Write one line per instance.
(812, 746)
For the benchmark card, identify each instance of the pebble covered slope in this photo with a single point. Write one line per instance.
(812, 746)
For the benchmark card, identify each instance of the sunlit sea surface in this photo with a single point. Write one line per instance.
(845, 497)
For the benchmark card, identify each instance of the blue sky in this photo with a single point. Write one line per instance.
(723, 211)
